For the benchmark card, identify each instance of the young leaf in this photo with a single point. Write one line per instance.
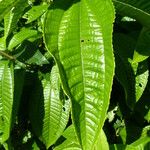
(6, 99)
(79, 36)
(49, 113)
(20, 37)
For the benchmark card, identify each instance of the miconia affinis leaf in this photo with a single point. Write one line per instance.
(79, 36)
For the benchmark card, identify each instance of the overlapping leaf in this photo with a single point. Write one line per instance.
(13, 16)
(102, 143)
(34, 13)
(49, 113)
(5, 7)
(79, 35)
(137, 9)
(133, 76)
(142, 50)
(21, 36)
(71, 142)
(6, 99)
(143, 143)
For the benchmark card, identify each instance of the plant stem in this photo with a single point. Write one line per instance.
(12, 58)
(2, 53)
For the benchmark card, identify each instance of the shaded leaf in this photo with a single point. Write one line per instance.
(133, 77)
(142, 50)
(136, 9)
(48, 112)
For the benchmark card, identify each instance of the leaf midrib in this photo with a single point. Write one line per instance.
(82, 66)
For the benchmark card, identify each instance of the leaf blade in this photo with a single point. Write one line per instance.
(71, 50)
(6, 99)
(138, 10)
(50, 115)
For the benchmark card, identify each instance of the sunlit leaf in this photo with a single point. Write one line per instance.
(78, 34)
(6, 99)
(34, 13)
(13, 16)
(21, 36)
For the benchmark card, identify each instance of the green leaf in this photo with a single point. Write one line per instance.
(142, 50)
(19, 37)
(141, 78)
(142, 143)
(71, 142)
(117, 147)
(5, 7)
(6, 99)
(12, 17)
(19, 76)
(49, 111)
(134, 76)
(79, 36)
(142, 108)
(102, 143)
(136, 9)
(38, 58)
(34, 13)
(2, 43)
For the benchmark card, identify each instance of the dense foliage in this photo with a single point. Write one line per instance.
(74, 74)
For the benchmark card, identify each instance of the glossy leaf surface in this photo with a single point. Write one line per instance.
(6, 99)
(13, 16)
(71, 142)
(20, 37)
(5, 7)
(49, 111)
(34, 13)
(78, 35)
(102, 143)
